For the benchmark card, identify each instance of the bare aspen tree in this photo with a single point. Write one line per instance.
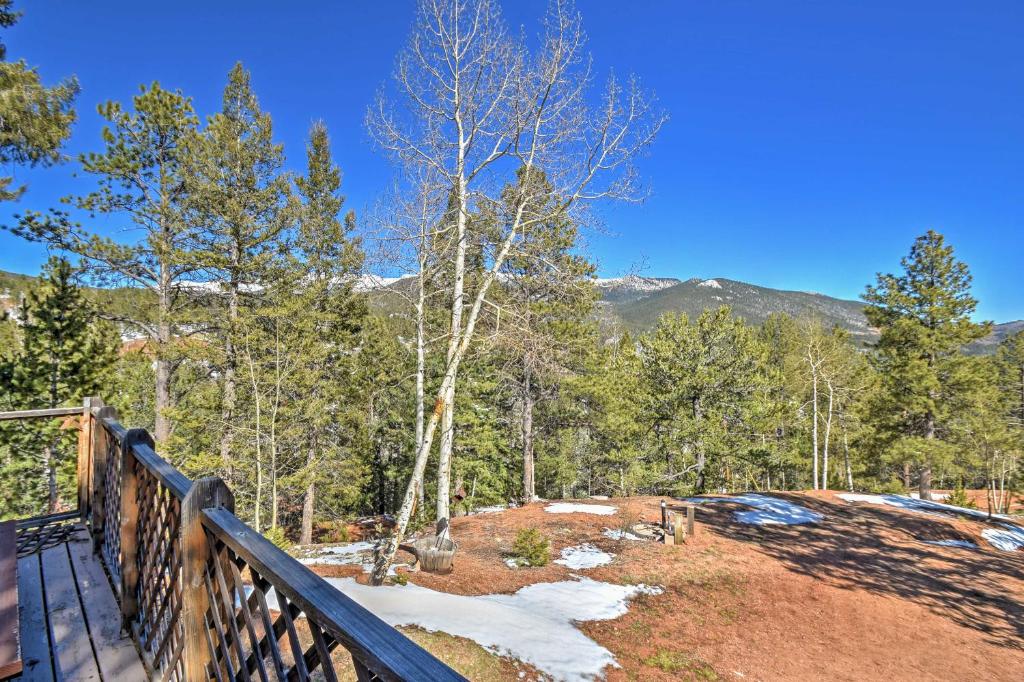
(814, 356)
(475, 106)
(410, 241)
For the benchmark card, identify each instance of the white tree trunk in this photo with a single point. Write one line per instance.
(814, 420)
(828, 436)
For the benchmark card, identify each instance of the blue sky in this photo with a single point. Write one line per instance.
(809, 142)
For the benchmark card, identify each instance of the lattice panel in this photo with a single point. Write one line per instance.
(158, 623)
(255, 633)
(35, 539)
(112, 508)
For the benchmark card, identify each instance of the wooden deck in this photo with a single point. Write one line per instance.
(70, 620)
(192, 580)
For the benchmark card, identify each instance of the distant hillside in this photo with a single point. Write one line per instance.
(639, 307)
(632, 303)
(635, 303)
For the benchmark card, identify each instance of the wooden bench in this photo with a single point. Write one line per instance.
(10, 646)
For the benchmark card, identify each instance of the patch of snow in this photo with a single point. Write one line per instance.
(536, 625)
(370, 282)
(493, 509)
(618, 534)
(914, 504)
(966, 544)
(584, 556)
(768, 511)
(710, 283)
(939, 497)
(1009, 540)
(635, 283)
(572, 508)
(341, 555)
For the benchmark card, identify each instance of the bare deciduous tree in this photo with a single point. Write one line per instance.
(475, 107)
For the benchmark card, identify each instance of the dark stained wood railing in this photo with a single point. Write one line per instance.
(204, 595)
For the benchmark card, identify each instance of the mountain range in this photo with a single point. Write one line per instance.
(635, 303)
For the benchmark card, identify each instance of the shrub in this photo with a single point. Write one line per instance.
(277, 536)
(892, 486)
(335, 532)
(531, 548)
(959, 498)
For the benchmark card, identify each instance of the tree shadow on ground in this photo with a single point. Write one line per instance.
(858, 546)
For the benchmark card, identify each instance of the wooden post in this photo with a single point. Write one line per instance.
(129, 525)
(85, 468)
(678, 530)
(691, 515)
(195, 554)
(100, 454)
(664, 516)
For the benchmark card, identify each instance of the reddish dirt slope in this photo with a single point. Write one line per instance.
(856, 597)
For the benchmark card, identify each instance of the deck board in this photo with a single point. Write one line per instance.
(70, 620)
(35, 644)
(10, 649)
(116, 654)
(73, 656)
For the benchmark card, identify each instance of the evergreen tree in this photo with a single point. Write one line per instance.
(238, 203)
(782, 435)
(140, 177)
(65, 355)
(702, 376)
(924, 318)
(327, 315)
(1010, 367)
(35, 120)
(602, 445)
(548, 297)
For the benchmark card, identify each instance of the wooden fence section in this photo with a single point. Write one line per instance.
(203, 594)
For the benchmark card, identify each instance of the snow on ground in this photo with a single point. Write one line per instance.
(351, 554)
(914, 504)
(938, 497)
(966, 544)
(536, 625)
(584, 556)
(619, 534)
(767, 510)
(493, 509)
(571, 508)
(354, 553)
(1009, 540)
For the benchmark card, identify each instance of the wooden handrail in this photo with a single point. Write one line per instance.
(40, 414)
(177, 554)
(384, 651)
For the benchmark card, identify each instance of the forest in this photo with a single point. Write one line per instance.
(245, 325)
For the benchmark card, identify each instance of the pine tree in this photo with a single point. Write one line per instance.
(65, 355)
(35, 120)
(140, 181)
(238, 203)
(547, 298)
(924, 319)
(327, 314)
(702, 377)
(1010, 366)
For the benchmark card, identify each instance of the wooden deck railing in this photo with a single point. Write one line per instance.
(204, 595)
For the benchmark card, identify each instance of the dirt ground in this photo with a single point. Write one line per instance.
(858, 596)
